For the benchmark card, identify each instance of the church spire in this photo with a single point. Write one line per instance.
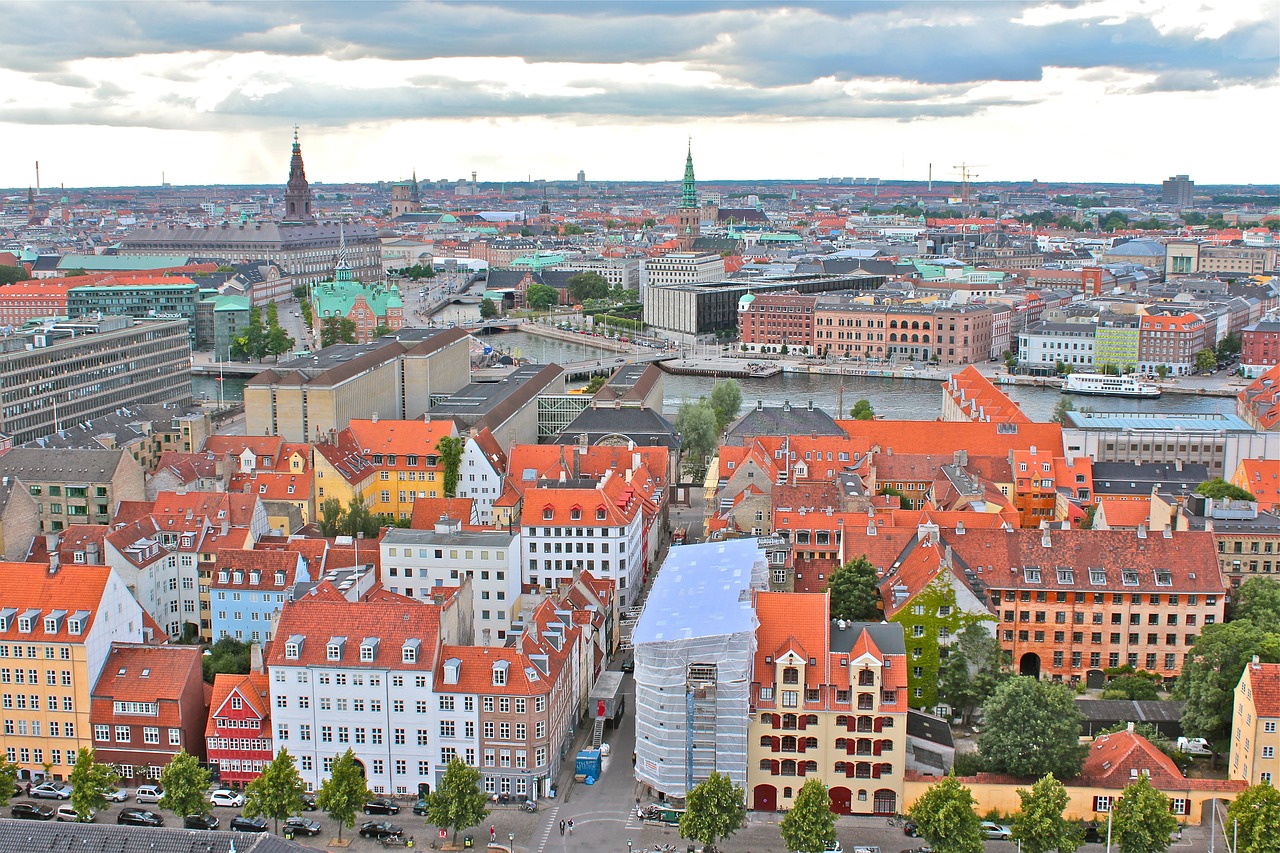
(297, 193)
(689, 193)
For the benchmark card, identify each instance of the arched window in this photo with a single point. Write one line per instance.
(811, 719)
(924, 339)
(766, 741)
(866, 678)
(789, 721)
(865, 724)
(926, 325)
(866, 702)
(789, 744)
(864, 746)
(841, 743)
(842, 720)
(789, 767)
(915, 339)
(915, 324)
(766, 764)
(893, 336)
(840, 766)
(893, 324)
(862, 770)
(811, 743)
(791, 675)
(810, 767)
(767, 719)
(786, 793)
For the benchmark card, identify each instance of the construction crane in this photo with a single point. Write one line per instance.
(967, 174)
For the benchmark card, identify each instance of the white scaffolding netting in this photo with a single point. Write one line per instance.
(694, 647)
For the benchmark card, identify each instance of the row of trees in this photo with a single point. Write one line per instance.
(259, 340)
(458, 802)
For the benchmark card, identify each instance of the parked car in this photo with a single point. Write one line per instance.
(200, 821)
(117, 795)
(420, 807)
(67, 814)
(833, 847)
(149, 794)
(226, 798)
(379, 829)
(910, 830)
(52, 791)
(1189, 745)
(309, 802)
(381, 805)
(139, 817)
(629, 665)
(302, 826)
(995, 831)
(31, 811)
(1094, 833)
(925, 849)
(240, 823)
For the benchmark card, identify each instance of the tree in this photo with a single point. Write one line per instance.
(488, 309)
(696, 423)
(1210, 675)
(1258, 601)
(346, 330)
(358, 520)
(330, 331)
(588, 285)
(855, 591)
(331, 517)
(9, 275)
(1031, 728)
(1039, 826)
(1254, 816)
(184, 782)
(726, 400)
(904, 502)
(1218, 489)
(277, 793)
(1060, 410)
(380, 331)
(278, 342)
(90, 782)
(862, 411)
(8, 770)
(1229, 346)
(418, 271)
(344, 793)
(1137, 687)
(541, 297)
(226, 655)
(1162, 370)
(714, 809)
(1141, 821)
(596, 383)
(810, 825)
(450, 448)
(972, 670)
(945, 818)
(457, 802)
(1206, 360)
(254, 339)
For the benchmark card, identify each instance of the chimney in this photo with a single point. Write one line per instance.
(91, 553)
(1129, 728)
(809, 406)
(255, 658)
(759, 405)
(1142, 531)
(226, 527)
(962, 458)
(53, 562)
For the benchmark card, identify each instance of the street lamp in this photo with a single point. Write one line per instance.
(511, 841)
(628, 845)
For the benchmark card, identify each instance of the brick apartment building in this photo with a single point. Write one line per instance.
(776, 322)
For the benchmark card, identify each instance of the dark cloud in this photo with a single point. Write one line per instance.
(930, 55)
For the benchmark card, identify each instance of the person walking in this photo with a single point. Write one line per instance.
(571, 826)
(493, 834)
(562, 827)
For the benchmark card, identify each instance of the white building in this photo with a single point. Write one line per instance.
(695, 646)
(358, 675)
(414, 562)
(1042, 345)
(622, 273)
(681, 268)
(480, 473)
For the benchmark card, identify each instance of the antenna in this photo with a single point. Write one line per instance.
(37, 179)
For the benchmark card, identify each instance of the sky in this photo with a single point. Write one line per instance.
(118, 93)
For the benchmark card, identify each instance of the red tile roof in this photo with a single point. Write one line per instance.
(980, 400)
(979, 439)
(1117, 759)
(1261, 478)
(30, 586)
(253, 689)
(144, 673)
(1264, 682)
(320, 617)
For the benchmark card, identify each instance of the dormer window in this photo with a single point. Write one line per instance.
(1066, 577)
(333, 651)
(369, 649)
(24, 624)
(255, 578)
(74, 626)
(224, 577)
(409, 651)
(279, 578)
(548, 514)
(50, 625)
(1097, 577)
(1164, 578)
(500, 674)
(1129, 577)
(600, 514)
(239, 578)
(1032, 575)
(575, 514)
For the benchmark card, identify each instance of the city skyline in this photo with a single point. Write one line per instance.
(116, 94)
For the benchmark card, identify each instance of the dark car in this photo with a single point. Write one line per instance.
(381, 805)
(139, 817)
(240, 823)
(629, 665)
(302, 826)
(1094, 834)
(420, 807)
(309, 803)
(910, 830)
(200, 821)
(31, 811)
(380, 829)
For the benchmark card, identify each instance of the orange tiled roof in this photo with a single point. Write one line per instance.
(30, 586)
(1261, 478)
(1264, 682)
(144, 673)
(1113, 759)
(319, 618)
(1126, 514)
(253, 689)
(793, 621)
(979, 439)
(1262, 398)
(428, 511)
(399, 437)
(980, 400)
(260, 445)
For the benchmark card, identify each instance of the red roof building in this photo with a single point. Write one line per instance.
(238, 730)
(148, 704)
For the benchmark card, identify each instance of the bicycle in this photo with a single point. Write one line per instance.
(897, 820)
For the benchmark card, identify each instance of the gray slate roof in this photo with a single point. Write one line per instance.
(38, 464)
(928, 727)
(781, 420)
(106, 838)
(643, 426)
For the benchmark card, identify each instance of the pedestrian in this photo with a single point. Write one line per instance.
(562, 827)
(571, 826)
(493, 833)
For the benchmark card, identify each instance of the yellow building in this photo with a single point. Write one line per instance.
(1254, 723)
(388, 464)
(56, 630)
(829, 700)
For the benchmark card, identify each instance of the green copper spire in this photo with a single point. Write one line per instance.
(689, 195)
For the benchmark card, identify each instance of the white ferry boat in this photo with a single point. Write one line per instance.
(1109, 386)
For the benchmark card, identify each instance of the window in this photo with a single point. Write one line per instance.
(122, 734)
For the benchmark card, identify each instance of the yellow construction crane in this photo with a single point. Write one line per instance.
(967, 174)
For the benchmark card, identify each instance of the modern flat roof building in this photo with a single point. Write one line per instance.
(509, 407)
(394, 377)
(67, 373)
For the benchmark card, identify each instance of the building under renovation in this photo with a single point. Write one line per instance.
(694, 647)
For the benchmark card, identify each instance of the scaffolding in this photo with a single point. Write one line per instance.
(694, 646)
(557, 411)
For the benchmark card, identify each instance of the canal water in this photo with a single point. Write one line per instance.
(906, 399)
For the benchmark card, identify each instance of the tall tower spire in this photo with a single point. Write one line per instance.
(297, 193)
(689, 214)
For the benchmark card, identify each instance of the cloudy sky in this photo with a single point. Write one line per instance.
(110, 93)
